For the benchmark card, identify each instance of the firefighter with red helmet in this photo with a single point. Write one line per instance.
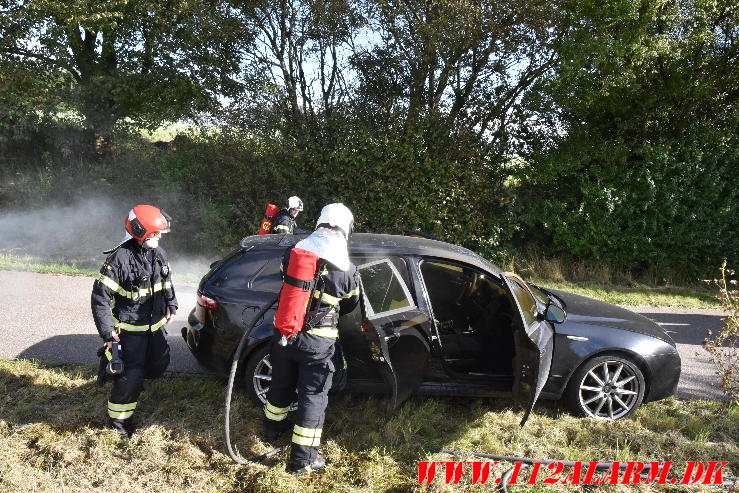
(132, 300)
(305, 361)
(285, 220)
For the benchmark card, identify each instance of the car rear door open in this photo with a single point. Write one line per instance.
(390, 324)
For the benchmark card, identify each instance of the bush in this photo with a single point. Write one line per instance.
(724, 346)
(653, 208)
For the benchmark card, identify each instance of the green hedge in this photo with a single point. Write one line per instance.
(667, 207)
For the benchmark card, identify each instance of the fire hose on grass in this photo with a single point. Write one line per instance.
(299, 284)
(229, 390)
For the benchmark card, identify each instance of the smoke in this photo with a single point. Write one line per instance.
(79, 233)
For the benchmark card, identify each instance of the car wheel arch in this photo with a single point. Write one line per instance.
(251, 348)
(621, 353)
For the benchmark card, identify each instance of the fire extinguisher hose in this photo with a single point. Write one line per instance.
(229, 390)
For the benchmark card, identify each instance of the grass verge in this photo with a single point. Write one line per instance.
(640, 295)
(189, 272)
(52, 438)
(11, 261)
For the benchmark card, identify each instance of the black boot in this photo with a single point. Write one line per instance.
(272, 435)
(318, 464)
(130, 426)
(120, 427)
(273, 431)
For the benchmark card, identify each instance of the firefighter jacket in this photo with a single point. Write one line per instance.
(133, 291)
(336, 293)
(284, 223)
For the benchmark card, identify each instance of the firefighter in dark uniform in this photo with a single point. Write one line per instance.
(132, 299)
(285, 220)
(304, 362)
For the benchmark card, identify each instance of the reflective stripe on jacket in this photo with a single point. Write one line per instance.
(132, 291)
(284, 223)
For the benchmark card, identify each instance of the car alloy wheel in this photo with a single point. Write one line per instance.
(261, 377)
(606, 387)
(258, 376)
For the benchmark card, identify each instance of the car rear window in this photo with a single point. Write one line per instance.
(257, 270)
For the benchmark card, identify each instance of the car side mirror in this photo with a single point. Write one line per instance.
(555, 314)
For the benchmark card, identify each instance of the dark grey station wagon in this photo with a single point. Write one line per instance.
(438, 319)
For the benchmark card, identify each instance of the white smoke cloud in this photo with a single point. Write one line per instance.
(80, 232)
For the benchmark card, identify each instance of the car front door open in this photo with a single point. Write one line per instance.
(534, 345)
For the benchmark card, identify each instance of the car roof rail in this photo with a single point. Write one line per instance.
(420, 234)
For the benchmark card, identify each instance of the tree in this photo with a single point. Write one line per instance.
(465, 63)
(632, 160)
(143, 60)
(297, 71)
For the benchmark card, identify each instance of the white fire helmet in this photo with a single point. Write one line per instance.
(337, 216)
(294, 202)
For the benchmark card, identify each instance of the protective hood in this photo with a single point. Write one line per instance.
(329, 245)
(126, 237)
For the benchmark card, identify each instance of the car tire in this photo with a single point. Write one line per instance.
(606, 387)
(257, 374)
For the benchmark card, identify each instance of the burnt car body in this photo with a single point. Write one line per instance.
(438, 319)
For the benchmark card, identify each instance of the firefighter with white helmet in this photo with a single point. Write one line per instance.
(285, 220)
(132, 300)
(304, 362)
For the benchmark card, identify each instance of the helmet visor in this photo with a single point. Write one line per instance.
(168, 218)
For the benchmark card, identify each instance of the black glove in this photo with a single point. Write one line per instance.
(102, 374)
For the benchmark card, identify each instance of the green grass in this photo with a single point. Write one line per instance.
(70, 267)
(52, 438)
(640, 295)
(22, 262)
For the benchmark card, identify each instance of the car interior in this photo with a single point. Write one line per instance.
(474, 318)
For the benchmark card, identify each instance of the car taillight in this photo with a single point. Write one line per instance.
(206, 302)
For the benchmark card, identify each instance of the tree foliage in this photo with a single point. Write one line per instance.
(148, 61)
(605, 130)
(634, 159)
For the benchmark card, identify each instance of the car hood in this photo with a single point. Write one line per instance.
(594, 313)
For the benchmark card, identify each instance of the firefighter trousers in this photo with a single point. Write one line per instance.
(145, 355)
(306, 366)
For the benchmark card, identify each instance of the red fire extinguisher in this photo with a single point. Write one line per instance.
(296, 289)
(269, 216)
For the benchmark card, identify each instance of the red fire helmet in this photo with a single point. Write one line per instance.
(144, 219)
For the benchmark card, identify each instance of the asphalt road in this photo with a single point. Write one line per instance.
(47, 317)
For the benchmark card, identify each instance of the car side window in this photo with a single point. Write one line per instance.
(527, 302)
(385, 293)
(268, 277)
(240, 272)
